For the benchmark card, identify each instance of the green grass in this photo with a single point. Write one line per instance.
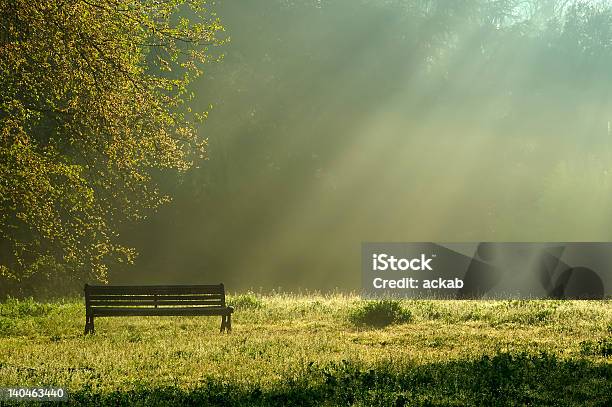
(319, 350)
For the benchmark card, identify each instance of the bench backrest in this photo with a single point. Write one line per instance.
(154, 296)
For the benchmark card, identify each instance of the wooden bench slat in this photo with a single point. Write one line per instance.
(204, 289)
(160, 297)
(119, 312)
(160, 303)
(152, 286)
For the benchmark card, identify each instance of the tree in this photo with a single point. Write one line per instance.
(94, 101)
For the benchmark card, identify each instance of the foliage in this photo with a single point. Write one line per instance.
(504, 379)
(14, 308)
(380, 313)
(300, 350)
(247, 300)
(601, 347)
(94, 100)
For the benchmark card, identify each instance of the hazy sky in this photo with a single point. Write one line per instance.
(337, 122)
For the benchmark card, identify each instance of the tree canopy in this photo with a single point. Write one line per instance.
(94, 100)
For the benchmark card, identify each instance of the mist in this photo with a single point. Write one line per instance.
(340, 122)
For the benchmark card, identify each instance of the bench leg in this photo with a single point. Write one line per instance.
(89, 325)
(226, 323)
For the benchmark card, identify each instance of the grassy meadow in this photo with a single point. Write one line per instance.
(311, 349)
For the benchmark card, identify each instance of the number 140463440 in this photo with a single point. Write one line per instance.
(33, 393)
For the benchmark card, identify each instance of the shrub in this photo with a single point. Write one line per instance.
(245, 301)
(380, 313)
(15, 308)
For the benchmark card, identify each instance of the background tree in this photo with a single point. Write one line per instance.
(94, 100)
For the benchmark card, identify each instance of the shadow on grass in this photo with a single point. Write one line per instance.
(504, 379)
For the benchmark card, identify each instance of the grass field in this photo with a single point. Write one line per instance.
(319, 350)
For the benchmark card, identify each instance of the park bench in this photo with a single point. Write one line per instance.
(156, 300)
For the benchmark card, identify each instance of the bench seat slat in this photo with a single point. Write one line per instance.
(153, 286)
(160, 297)
(133, 290)
(151, 302)
(117, 312)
